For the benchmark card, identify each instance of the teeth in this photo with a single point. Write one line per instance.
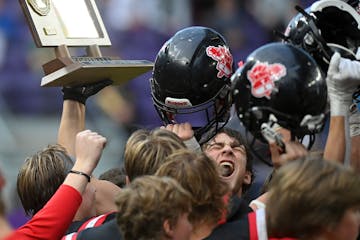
(226, 169)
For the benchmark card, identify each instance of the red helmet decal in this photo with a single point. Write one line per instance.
(262, 77)
(224, 59)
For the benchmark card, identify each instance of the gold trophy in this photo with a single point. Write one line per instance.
(62, 24)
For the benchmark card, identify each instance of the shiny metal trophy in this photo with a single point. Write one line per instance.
(62, 24)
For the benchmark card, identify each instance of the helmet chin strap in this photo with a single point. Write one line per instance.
(310, 141)
(255, 151)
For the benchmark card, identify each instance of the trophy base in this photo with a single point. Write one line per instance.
(82, 73)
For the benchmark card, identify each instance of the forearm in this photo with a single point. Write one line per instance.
(72, 122)
(355, 153)
(336, 143)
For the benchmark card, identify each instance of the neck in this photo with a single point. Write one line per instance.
(317, 237)
(202, 231)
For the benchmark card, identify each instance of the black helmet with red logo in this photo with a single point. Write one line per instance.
(280, 83)
(191, 80)
(324, 27)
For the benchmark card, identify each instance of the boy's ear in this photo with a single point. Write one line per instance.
(168, 229)
(247, 177)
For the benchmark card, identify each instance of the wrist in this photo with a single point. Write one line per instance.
(74, 94)
(339, 106)
(85, 168)
(87, 176)
(354, 123)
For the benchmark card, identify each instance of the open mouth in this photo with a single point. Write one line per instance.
(226, 169)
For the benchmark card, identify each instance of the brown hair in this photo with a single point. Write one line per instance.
(146, 203)
(200, 176)
(114, 175)
(146, 150)
(41, 175)
(315, 192)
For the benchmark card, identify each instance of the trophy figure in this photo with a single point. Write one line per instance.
(65, 24)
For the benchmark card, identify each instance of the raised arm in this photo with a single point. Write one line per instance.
(343, 76)
(55, 217)
(72, 121)
(73, 114)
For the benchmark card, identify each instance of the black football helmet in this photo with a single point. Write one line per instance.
(191, 81)
(280, 83)
(324, 27)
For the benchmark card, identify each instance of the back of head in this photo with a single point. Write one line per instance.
(280, 83)
(191, 80)
(146, 150)
(146, 203)
(314, 191)
(200, 176)
(115, 175)
(41, 175)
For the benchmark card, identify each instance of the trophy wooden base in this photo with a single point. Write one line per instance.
(81, 73)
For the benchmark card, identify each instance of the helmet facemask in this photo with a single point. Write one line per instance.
(206, 118)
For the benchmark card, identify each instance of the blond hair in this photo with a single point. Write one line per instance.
(146, 150)
(313, 191)
(146, 203)
(200, 176)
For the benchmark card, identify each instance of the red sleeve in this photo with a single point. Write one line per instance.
(226, 200)
(52, 221)
(252, 226)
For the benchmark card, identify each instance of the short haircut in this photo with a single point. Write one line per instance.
(41, 175)
(313, 191)
(198, 174)
(146, 150)
(146, 203)
(114, 175)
